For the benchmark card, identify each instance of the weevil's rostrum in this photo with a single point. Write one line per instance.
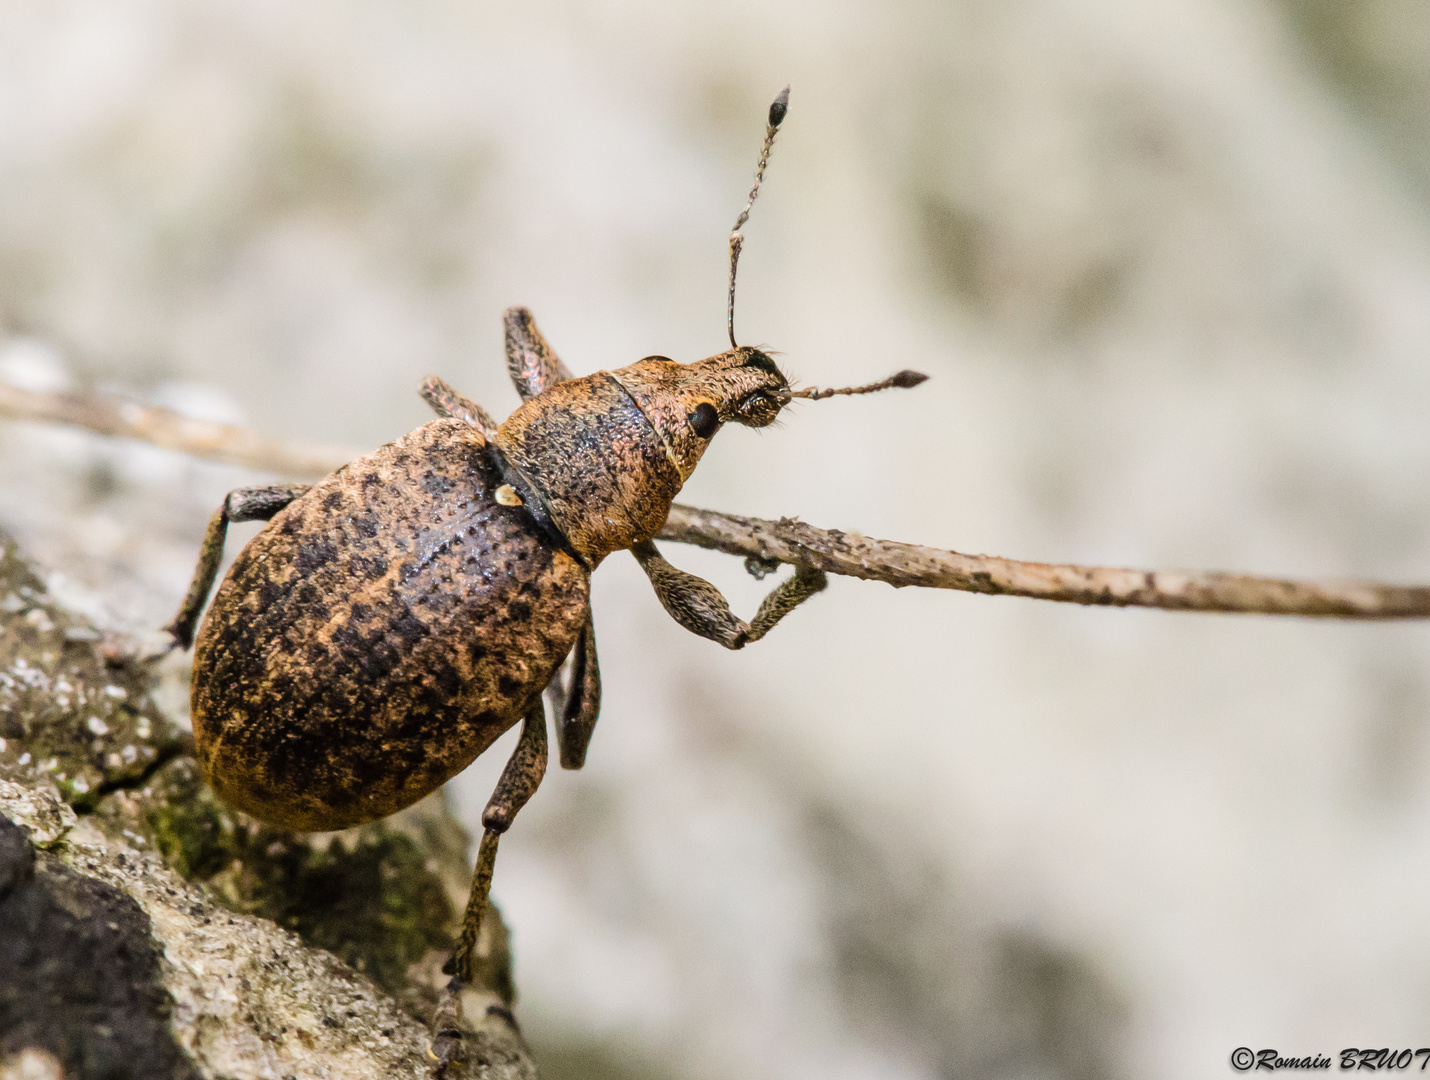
(394, 619)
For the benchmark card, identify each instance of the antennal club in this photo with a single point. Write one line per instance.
(778, 108)
(903, 381)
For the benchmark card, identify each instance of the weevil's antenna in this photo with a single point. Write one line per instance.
(778, 108)
(903, 380)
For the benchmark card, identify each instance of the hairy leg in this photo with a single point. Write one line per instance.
(699, 607)
(533, 364)
(518, 781)
(243, 504)
(447, 402)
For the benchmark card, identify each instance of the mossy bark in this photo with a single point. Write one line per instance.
(242, 951)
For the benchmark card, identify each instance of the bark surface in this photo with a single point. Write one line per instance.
(147, 930)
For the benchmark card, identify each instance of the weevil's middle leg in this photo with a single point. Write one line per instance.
(518, 781)
(699, 607)
(579, 704)
(448, 402)
(242, 504)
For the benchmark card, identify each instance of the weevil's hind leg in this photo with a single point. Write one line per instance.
(578, 704)
(242, 504)
(447, 402)
(699, 607)
(518, 781)
(533, 363)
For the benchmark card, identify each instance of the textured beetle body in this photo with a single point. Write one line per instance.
(586, 458)
(395, 619)
(381, 632)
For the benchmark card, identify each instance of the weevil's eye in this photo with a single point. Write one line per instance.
(704, 420)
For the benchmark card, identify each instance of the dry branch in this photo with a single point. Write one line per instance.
(901, 564)
(790, 541)
(173, 431)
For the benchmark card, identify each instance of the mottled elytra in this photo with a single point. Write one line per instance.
(394, 619)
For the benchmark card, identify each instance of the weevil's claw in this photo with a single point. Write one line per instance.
(180, 638)
(446, 1051)
(448, 1042)
(759, 568)
(118, 649)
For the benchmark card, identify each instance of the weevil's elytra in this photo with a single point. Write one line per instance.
(392, 622)
(394, 619)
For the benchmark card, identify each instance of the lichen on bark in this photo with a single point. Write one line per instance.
(75, 711)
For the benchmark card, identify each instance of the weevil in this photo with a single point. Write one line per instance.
(394, 619)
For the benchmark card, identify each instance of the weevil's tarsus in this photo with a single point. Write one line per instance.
(448, 1046)
(241, 504)
(448, 402)
(759, 568)
(902, 381)
(778, 109)
(701, 608)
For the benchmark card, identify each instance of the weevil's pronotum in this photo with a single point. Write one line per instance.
(392, 620)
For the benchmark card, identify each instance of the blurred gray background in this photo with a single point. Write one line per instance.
(1168, 266)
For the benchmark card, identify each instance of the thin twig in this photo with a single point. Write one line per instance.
(899, 564)
(173, 431)
(791, 541)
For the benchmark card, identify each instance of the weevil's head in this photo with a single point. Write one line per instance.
(600, 458)
(688, 403)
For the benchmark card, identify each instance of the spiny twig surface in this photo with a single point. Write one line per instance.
(900, 564)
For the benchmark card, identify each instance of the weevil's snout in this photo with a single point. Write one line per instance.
(760, 409)
(688, 403)
(755, 389)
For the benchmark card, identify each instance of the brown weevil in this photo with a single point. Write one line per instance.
(394, 619)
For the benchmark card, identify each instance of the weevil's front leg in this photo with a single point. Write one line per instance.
(243, 504)
(579, 704)
(699, 607)
(533, 363)
(518, 781)
(447, 402)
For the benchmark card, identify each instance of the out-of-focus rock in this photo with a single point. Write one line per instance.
(74, 706)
